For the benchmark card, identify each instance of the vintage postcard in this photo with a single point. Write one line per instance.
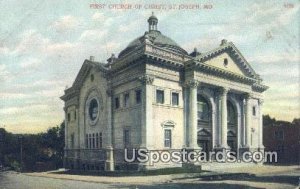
(149, 94)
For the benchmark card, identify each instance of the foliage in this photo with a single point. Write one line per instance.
(296, 121)
(41, 147)
(268, 121)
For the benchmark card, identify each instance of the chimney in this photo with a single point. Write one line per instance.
(195, 53)
(223, 42)
(92, 58)
(111, 59)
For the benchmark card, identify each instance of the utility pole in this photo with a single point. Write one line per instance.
(21, 153)
(1, 148)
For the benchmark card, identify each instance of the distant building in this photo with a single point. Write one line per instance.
(284, 138)
(157, 96)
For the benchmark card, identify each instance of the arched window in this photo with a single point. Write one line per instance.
(225, 62)
(93, 109)
(231, 113)
(202, 108)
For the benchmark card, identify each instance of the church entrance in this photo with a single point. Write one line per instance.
(204, 142)
(204, 125)
(231, 126)
(231, 141)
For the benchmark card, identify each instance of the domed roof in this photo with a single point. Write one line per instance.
(152, 18)
(156, 38)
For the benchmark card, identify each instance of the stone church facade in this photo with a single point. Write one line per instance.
(157, 96)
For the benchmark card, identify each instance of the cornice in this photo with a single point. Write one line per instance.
(259, 87)
(69, 94)
(202, 67)
(149, 51)
(146, 79)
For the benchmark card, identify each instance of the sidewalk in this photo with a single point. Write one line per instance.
(257, 170)
(117, 180)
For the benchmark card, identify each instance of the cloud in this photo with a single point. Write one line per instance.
(30, 63)
(53, 92)
(31, 42)
(99, 16)
(33, 86)
(29, 109)
(128, 27)
(267, 16)
(112, 46)
(288, 15)
(29, 126)
(46, 83)
(65, 23)
(5, 75)
(9, 96)
(92, 35)
(275, 57)
(101, 19)
(58, 48)
(4, 50)
(34, 43)
(203, 45)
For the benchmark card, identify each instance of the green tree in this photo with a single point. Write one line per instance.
(268, 121)
(296, 121)
(42, 147)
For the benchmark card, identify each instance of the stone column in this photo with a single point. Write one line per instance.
(146, 121)
(239, 126)
(214, 128)
(261, 126)
(247, 122)
(240, 130)
(109, 163)
(66, 138)
(223, 97)
(192, 116)
(186, 113)
(109, 106)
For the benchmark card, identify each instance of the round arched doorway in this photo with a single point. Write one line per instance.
(204, 135)
(231, 126)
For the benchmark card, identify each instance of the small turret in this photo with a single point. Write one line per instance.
(152, 20)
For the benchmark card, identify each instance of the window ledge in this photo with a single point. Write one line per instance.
(167, 105)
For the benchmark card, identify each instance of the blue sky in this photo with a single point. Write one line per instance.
(44, 43)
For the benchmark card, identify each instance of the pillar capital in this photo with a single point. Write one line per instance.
(192, 83)
(109, 92)
(146, 79)
(223, 91)
(260, 101)
(247, 96)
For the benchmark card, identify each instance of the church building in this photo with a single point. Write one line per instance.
(157, 96)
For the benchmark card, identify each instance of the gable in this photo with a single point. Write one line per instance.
(244, 68)
(225, 62)
(85, 72)
(231, 134)
(204, 132)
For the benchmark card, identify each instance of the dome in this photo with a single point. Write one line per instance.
(155, 37)
(152, 18)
